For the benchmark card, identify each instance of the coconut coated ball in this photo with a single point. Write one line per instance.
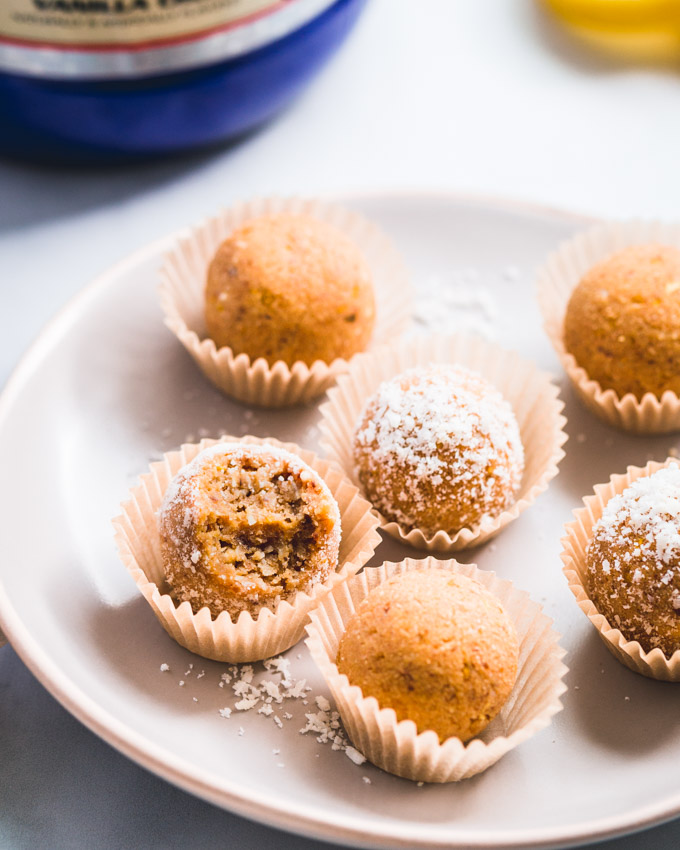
(633, 561)
(438, 448)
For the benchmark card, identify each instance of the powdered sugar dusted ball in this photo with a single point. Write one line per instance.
(438, 448)
(633, 561)
(245, 526)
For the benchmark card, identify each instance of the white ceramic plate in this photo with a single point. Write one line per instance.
(107, 388)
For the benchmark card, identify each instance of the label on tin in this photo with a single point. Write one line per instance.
(109, 22)
(125, 38)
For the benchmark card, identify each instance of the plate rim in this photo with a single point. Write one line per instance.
(183, 774)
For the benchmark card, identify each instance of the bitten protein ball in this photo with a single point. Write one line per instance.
(622, 323)
(245, 526)
(291, 288)
(633, 561)
(438, 448)
(436, 647)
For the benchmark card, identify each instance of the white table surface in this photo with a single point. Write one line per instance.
(459, 96)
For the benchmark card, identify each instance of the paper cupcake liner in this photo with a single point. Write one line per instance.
(247, 639)
(556, 281)
(183, 277)
(652, 664)
(396, 746)
(534, 400)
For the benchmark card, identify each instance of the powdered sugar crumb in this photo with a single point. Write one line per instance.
(456, 301)
(273, 684)
(355, 755)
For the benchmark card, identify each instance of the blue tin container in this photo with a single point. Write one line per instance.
(79, 100)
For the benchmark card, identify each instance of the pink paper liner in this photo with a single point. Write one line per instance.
(532, 396)
(577, 536)
(556, 280)
(183, 277)
(247, 639)
(396, 746)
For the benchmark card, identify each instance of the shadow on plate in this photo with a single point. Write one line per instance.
(616, 708)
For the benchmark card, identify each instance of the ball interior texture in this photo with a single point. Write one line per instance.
(243, 527)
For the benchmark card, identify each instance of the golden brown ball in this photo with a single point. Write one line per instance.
(622, 323)
(438, 447)
(245, 526)
(633, 561)
(436, 647)
(287, 287)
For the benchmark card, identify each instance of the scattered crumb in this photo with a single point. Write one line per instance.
(322, 703)
(366, 780)
(456, 301)
(255, 691)
(626, 699)
(419, 784)
(581, 438)
(355, 755)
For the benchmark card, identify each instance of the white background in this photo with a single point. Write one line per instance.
(486, 98)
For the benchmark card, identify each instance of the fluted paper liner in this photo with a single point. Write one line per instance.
(396, 746)
(183, 279)
(247, 639)
(578, 533)
(556, 281)
(534, 400)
